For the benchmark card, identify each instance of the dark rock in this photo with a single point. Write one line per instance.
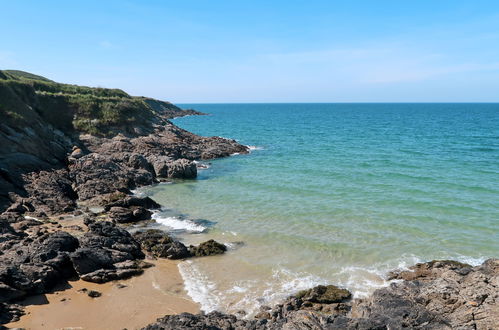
(94, 294)
(324, 294)
(107, 253)
(160, 245)
(128, 215)
(129, 201)
(21, 207)
(51, 192)
(213, 320)
(208, 248)
(34, 265)
(10, 313)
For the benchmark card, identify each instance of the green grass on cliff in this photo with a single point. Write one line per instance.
(97, 111)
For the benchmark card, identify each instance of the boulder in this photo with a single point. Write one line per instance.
(207, 248)
(128, 201)
(128, 215)
(182, 169)
(167, 167)
(107, 253)
(160, 245)
(324, 294)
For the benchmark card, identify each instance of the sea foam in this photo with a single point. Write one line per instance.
(178, 224)
(199, 287)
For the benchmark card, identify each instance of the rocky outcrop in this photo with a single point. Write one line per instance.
(122, 200)
(128, 214)
(50, 192)
(433, 295)
(54, 151)
(107, 253)
(207, 248)
(159, 244)
(33, 264)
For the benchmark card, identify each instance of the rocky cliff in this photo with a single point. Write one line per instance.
(57, 141)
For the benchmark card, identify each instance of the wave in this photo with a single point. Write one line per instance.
(199, 287)
(250, 294)
(201, 166)
(178, 224)
(251, 148)
(247, 295)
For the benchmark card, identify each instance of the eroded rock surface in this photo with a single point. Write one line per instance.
(159, 244)
(106, 253)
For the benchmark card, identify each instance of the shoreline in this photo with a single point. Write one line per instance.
(143, 299)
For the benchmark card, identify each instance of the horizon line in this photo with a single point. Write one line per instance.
(367, 102)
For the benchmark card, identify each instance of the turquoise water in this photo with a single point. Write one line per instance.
(335, 193)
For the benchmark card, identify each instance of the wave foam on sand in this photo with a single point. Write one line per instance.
(250, 294)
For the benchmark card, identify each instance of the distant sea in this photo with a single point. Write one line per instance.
(334, 193)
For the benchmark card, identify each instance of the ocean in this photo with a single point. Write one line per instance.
(334, 193)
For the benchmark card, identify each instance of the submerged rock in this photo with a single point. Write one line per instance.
(208, 248)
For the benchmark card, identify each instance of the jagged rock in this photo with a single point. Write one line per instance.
(8, 233)
(107, 253)
(11, 217)
(213, 320)
(160, 165)
(161, 245)
(183, 169)
(128, 201)
(208, 248)
(34, 265)
(50, 192)
(138, 161)
(167, 167)
(324, 294)
(95, 175)
(128, 215)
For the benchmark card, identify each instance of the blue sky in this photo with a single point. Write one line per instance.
(261, 51)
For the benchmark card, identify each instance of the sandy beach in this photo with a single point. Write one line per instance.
(159, 291)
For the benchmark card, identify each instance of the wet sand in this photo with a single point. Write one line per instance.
(157, 292)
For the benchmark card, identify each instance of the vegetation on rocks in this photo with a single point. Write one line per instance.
(97, 111)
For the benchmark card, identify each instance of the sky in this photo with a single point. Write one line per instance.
(210, 51)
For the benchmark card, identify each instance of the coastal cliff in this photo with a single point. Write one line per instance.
(44, 122)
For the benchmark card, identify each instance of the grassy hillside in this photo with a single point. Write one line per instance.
(97, 111)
